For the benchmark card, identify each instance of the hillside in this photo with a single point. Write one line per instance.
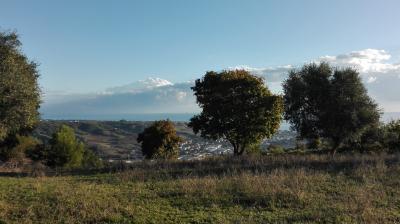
(117, 139)
(266, 189)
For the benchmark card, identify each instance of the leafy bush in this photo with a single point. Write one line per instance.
(301, 145)
(314, 143)
(38, 153)
(64, 149)
(254, 148)
(91, 160)
(276, 149)
(392, 136)
(160, 141)
(372, 140)
(18, 150)
(93, 128)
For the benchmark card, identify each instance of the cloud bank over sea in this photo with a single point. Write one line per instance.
(153, 95)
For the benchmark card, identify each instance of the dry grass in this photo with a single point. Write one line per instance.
(279, 189)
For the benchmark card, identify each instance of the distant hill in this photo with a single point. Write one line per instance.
(117, 139)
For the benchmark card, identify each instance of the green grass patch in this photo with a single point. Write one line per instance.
(283, 189)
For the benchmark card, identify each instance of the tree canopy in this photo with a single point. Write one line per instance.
(65, 150)
(321, 101)
(19, 90)
(160, 141)
(237, 106)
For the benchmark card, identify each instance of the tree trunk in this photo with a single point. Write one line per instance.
(241, 151)
(235, 149)
(333, 151)
(336, 146)
(238, 149)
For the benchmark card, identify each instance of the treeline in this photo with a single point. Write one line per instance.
(328, 107)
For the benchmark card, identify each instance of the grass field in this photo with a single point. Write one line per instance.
(266, 189)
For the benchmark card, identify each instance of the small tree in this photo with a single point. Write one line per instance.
(160, 141)
(328, 103)
(64, 149)
(236, 106)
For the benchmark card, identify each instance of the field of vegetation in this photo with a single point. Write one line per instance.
(344, 167)
(263, 189)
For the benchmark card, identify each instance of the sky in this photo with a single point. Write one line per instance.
(94, 49)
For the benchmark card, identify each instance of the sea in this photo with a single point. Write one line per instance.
(179, 117)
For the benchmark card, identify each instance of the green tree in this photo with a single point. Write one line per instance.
(64, 149)
(160, 141)
(236, 106)
(392, 136)
(330, 103)
(19, 90)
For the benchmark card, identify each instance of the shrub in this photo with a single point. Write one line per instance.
(314, 143)
(372, 140)
(160, 141)
(91, 160)
(276, 149)
(92, 128)
(38, 153)
(301, 145)
(392, 136)
(37, 169)
(18, 151)
(64, 149)
(254, 148)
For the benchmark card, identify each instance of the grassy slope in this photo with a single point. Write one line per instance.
(252, 190)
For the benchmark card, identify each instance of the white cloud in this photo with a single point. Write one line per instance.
(180, 95)
(381, 77)
(271, 74)
(139, 86)
(371, 79)
(371, 63)
(366, 61)
(156, 95)
(153, 95)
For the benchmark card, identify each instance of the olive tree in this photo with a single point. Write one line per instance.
(321, 101)
(236, 106)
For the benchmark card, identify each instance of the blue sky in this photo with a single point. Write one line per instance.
(90, 46)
